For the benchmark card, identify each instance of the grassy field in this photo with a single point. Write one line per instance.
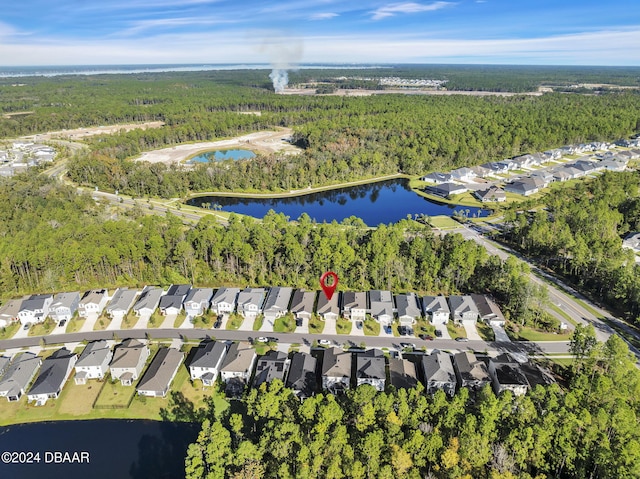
(343, 326)
(102, 323)
(257, 323)
(285, 324)
(443, 222)
(316, 325)
(42, 329)
(179, 319)
(456, 331)
(74, 324)
(9, 331)
(130, 321)
(529, 334)
(114, 394)
(205, 321)
(485, 331)
(371, 327)
(234, 322)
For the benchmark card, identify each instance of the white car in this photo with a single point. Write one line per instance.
(324, 342)
(262, 339)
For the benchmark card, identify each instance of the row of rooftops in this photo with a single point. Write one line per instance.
(276, 300)
(22, 155)
(445, 183)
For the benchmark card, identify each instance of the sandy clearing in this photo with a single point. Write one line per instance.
(403, 91)
(260, 142)
(79, 133)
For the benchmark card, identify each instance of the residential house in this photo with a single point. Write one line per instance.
(354, 305)
(488, 310)
(463, 174)
(237, 367)
(19, 374)
(370, 369)
(561, 174)
(121, 302)
(171, 303)
(328, 309)
(437, 178)
(381, 306)
(543, 176)
(446, 190)
(9, 312)
(481, 171)
(436, 308)
(587, 166)
(35, 308)
(525, 187)
(148, 301)
(463, 309)
(614, 164)
(64, 306)
(491, 195)
(408, 308)
(250, 302)
(53, 375)
(506, 375)
(272, 365)
(128, 361)
(277, 303)
(158, 377)
(93, 302)
(302, 304)
(438, 372)
(207, 361)
(536, 375)
(94, 361)
(336, 370)
(402, 373)
(4, 364)
(496, 168)
(197, 301)
(470, 371)
(302, 375)
(224, 300)
(574, 172)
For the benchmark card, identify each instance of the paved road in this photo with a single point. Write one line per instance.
(371, 341)
(559, 293)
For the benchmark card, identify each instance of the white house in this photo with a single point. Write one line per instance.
(436, 308)
(408, 308)
(148, 301)
(128, 361)
(35, 308)
(250, 301)
(438, 372)
(277, 303)
(463, 309)
(197, 301)
(171, 303)
(207, 361)
(93, 302)
(225, 300)
(336, 370)
(64, 306)
(121, 302)
(370, 369)
(354, 305)
(21, 371)
(93, 363)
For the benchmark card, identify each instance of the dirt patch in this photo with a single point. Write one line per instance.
(402, 91)
(79, 133)
(260, 142)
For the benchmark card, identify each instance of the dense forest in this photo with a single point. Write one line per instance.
(579, 235)
(588, 430)
(53, 239)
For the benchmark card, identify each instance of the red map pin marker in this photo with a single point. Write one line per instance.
(329, 288)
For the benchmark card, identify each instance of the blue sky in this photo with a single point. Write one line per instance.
(94, 32)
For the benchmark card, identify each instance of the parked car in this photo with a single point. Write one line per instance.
(324, 342)
(407, 345)
(62, 322)
(217, 324)
(359, 324)
(462, 340)
(426, 337)
(298, 322)
(402, 330)
(438, 333)
(387, 329)
(262, 339)
(26, 326)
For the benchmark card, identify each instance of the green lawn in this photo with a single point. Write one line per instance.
(456, 331)
(130, 321)
(285, 324)
(234, 322)
(371, 327)
(423, 326)
(102, 323)
(9, 331)
(394, 329)
(74, 324)
(257, 324)
(113, 393)
(529, 334)
(316, 325)
(343, 326)
(179, 319)
(156, 319)
(205, 321)
(485, 331)
(42, 329)
(443, 222)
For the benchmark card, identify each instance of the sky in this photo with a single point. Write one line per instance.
(288, 32)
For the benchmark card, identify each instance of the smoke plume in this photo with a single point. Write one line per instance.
(284, 53)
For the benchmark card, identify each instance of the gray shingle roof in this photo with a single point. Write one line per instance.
(208, 356)
(161, 371)
(94, 354)
(20, 371)
(302, 374)
(53, 373)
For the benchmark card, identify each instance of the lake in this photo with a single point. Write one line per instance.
(375, 203)
(116, 449)
(222, 155)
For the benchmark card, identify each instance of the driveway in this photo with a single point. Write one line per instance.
(168, 321)
(143, 322)
(115, 324)
(304, 329)
(355, 331)
(21, 333)
(329, 327)
(267, 326)
(472, 332)
(60, 329)
(247, 324)
(501, 334)
(89, 322)
(443, 329)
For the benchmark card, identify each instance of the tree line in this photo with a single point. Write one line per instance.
(53, 239)
(579, 235)
(587, 430)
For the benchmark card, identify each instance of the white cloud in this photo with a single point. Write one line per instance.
(323, 16)
(407, 7)
(143, 25)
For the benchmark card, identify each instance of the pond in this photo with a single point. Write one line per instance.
(116, 449)
(222, 155)
(375, 203)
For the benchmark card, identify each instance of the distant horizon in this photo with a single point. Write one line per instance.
(287, 32)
